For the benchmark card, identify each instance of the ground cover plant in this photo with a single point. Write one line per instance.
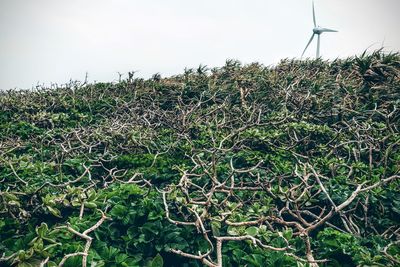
(243, 165)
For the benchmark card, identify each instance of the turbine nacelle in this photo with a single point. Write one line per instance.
(319, 30)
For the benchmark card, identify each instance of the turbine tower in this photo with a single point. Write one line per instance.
(316, 31)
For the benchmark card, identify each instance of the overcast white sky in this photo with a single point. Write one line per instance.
(56, 40)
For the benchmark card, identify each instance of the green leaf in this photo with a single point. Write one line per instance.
(121, 258)
(232, 230)
(288, 234)
(252, 230)
(76, 203)
(157, 261)
(42, 230)
(255, 259)
(54, 211)
(215, 226)
(118, 211)
(90, 205)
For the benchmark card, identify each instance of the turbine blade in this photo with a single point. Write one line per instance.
(309, 42)
(327, 30)
(319, 41)
(313, 13)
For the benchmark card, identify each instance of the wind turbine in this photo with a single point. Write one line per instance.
(316, 31)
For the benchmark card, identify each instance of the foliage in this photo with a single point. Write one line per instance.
(243, 165)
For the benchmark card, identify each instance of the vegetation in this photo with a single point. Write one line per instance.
(292, 165)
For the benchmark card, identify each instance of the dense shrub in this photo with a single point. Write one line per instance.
(296, 164)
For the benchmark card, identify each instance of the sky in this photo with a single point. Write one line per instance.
(54, 41)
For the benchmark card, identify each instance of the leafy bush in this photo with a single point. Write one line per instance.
(242, 165)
